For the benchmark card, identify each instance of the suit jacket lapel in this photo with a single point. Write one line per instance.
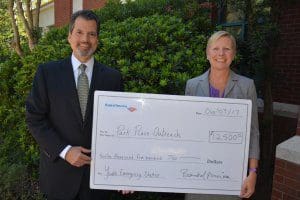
(69, 85)
(203, 89)
(230, 84)
(97, 79)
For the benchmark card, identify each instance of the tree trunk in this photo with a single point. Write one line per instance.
(37, 16)
(268, 157)
(28, 29)
(268, 138)
(31, 29)
(29, 14)
(16, 41)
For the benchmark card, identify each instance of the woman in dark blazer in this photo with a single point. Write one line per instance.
(221, 81)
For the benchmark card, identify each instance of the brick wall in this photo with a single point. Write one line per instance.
(286, 181)
(62, 11)
(64, 8)
(286, 89)
(283, 127)
(287, 55)
(93, 4)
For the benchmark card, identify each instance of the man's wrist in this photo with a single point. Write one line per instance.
(64, 152)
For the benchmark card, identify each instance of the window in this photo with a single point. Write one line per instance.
(232, 18)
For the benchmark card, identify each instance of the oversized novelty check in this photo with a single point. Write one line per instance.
(169, 143)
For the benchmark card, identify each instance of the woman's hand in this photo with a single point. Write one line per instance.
(124, 192)
(248, 186)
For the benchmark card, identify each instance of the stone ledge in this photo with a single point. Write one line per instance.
(281, 109)
(289, 150)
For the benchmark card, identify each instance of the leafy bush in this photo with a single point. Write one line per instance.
(164, 54)
(17, 183)
(186, 9)
(115, 10)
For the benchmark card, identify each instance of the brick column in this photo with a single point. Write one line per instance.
(63, 11)
(93, 4)
(286, 55)
(286, 178)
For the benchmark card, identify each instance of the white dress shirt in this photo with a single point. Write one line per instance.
(89, 68)
(89, 72)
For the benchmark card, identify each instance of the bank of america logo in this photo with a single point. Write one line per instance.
(131, 109)
(121, 106)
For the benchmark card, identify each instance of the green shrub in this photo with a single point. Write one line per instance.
(16, 183)
(164, 54)
(115, 10)
(17, 170)
(188, 10)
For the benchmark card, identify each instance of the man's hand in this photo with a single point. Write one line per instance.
(77, 157)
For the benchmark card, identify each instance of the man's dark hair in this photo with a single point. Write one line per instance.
(85, 14)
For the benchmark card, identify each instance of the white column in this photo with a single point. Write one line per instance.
(77, 5)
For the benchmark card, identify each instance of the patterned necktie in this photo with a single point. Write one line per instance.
(83, 89)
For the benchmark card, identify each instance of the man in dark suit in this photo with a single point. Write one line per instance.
(59, 112)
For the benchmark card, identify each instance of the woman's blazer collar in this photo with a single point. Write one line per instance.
(204, 83)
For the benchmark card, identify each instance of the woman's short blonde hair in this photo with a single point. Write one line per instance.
(217, 35)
